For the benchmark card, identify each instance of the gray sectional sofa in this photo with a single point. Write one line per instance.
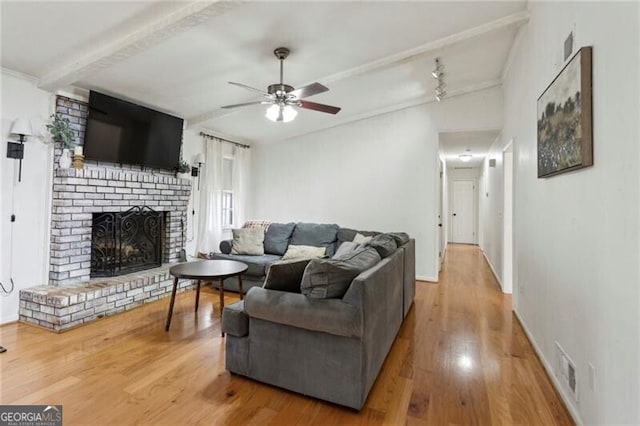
(331, 348)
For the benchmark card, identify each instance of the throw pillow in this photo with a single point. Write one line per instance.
(264, 224)
(276, 239)
(361, 239)
(346, 248)
(384, 244)
(286, 275)
(304, 252)
(331, 278)
(248, 241)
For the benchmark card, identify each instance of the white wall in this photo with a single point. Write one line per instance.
(374, 174)
(492, 205)
(24, 255)
(577, 235)
(193, 144)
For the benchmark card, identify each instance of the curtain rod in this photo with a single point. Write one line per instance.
(241, 145)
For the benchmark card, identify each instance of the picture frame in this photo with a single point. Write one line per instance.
(565, 118)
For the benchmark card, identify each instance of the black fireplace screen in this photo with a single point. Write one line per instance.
(126, 242)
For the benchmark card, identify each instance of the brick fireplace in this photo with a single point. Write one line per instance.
(78, 194)
(73, 296)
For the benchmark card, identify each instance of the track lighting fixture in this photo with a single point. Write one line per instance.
(438, 71)
(438, 74)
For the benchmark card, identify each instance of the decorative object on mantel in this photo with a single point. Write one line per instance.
(61, 132)
(78, 157)
(183, 170)
(22, 128)
(565, 122)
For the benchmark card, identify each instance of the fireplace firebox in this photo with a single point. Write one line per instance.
(126, 242)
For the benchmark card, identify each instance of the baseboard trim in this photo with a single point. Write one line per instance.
(554, 380)
(427, 279)
(9, 320)
(493, 271)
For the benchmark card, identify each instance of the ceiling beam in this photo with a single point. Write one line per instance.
(430, 48)
(124, 45)
(433, 47)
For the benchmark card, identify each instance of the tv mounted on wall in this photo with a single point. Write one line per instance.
(122, 132)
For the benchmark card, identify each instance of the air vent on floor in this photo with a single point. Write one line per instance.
(463, 168)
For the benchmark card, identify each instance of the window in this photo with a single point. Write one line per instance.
(227, 193)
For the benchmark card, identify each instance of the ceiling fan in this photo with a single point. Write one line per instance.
(283, 98)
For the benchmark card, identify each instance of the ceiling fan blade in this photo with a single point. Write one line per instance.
(253, 89)
(245, 104)
(308, 90)
(319, 107)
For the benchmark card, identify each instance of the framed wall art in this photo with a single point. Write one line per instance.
(565, 121)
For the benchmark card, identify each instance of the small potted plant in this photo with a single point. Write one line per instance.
(62, 133)
(183, 170)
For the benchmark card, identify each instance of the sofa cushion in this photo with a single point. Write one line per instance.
(401, 238)
(315, 234)
(347, 234)
(330, 278)
(234, 321)
(384, 244)
(286, 275)
(346, 248)
(257, 264)
(276, 239)
(304, 252)
(248, 241)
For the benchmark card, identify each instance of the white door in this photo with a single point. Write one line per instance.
(463, 212)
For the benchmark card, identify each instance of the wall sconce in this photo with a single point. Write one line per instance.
(22, 128)
(195, 171)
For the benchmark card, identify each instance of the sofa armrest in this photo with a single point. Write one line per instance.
(225, 246)
(331, 316)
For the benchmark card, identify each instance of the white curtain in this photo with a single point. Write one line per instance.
(241, 167)
(210, 222)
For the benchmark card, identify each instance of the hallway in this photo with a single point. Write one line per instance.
(473, 363)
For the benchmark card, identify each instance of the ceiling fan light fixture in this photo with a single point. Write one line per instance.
(273, 113)
(283, 113)
(288, 113)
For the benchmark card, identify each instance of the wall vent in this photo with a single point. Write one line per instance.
(463, 168)
(566, 371)
(492, 162)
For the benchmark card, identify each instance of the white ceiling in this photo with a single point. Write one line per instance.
(179, 56)
(476, 143)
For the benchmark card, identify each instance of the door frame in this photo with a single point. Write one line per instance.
(475, 207)
(507, 216)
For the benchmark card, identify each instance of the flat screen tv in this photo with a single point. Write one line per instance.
(122, 132)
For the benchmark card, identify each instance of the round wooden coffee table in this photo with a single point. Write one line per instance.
(205, 270)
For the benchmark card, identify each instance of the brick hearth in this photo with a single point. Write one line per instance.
(62, 308)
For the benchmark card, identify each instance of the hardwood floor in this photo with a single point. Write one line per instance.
(460, 358)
